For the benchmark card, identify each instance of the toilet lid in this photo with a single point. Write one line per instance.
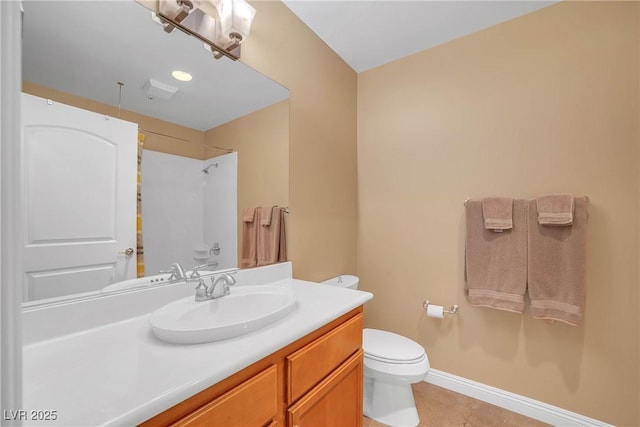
(389, 347)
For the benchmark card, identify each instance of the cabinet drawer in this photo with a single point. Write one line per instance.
(250, 404)
(308, 366)
(336, 401)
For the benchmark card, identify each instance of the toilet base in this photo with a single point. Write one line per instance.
(390, 403)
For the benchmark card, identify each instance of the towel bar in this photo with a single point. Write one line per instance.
(466, 199)
(454, 308)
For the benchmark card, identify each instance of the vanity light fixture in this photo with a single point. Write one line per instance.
(183, 76)
(222, 24)
(235, 21)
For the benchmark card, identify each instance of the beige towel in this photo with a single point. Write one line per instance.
(268, 239)
(497, 213)
(555, 209)
(265, 216)
(248, 214)
(248, 255)
(496, 263)
(556, 260)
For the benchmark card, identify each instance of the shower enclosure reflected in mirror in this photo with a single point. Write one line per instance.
(112, 58)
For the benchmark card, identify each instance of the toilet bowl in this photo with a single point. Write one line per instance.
(391, 364)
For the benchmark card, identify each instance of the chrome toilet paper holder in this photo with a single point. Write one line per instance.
(454, 308)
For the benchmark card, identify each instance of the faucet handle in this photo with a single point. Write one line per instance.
(178, 271)
(201, 291)
(229, 280)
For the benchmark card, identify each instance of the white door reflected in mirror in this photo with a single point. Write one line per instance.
(79, 189)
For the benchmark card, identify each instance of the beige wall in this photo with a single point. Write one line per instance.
(322, 137)
(545, 103)
(159, 135)
(262, 142)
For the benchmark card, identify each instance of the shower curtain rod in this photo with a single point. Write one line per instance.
(164, 134)
(230, 150)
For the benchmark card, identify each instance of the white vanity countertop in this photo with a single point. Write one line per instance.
(120, 374)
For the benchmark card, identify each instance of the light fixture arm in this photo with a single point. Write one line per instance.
(185, 9)
(223, 33)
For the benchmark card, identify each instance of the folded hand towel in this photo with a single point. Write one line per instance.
(248, 214)
(556, 266)
(248, 255)
(497, 213)
(496, 263)
(268, 239)
(555, 209)
(265, 217)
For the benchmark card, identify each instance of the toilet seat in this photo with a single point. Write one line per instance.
(401, 362)
(387, 347)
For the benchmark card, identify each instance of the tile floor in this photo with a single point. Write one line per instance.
(439, 407)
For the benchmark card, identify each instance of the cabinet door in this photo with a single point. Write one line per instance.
(251, 404)
(336, 401)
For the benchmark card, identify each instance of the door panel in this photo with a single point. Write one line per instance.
(53, 283)
(79, 189)
(56, 159)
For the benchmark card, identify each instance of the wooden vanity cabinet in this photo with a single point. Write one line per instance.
(314, 381)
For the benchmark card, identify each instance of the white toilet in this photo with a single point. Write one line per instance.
(391, 364)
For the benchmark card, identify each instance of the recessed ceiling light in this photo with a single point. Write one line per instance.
(183, 76)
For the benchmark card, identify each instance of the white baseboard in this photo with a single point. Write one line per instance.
(513, 402)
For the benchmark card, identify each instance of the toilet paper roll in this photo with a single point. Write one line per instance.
(435, 311)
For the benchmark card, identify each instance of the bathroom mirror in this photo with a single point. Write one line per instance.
(110, 55)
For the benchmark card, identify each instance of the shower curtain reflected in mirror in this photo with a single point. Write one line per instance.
(139, 244)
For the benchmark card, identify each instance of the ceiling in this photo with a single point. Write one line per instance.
(367, 34)
(86, 47)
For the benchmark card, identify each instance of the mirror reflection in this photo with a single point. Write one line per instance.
(111, 59)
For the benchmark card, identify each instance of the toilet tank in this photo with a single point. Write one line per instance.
(344, 281)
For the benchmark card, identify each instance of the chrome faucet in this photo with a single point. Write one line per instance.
(176, 270)
(195, 273)
(204, 293)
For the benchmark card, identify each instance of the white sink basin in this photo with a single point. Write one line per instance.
(246, 309)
